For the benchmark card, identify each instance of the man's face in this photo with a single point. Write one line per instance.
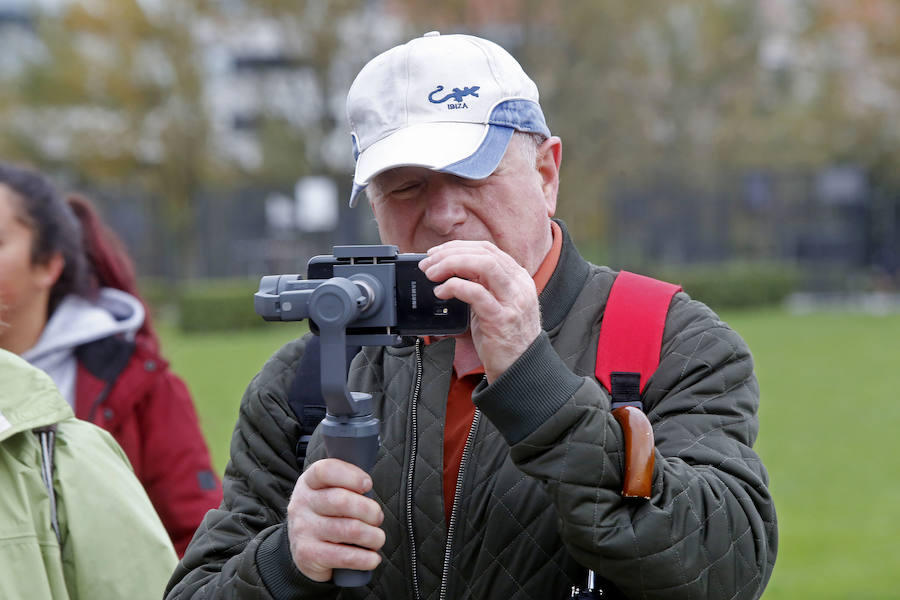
(23, 285)
(417, 208)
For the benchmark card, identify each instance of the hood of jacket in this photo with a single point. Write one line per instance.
(28, 398)
(77, 321)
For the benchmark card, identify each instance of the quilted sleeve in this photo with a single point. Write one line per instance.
(241, 549)
(709, 529)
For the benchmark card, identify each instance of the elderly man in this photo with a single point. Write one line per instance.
(500, 468)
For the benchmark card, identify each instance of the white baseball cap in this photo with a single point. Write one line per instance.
(444, 102)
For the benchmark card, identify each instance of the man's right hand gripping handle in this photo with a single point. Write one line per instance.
(332, 525)
(353, 440)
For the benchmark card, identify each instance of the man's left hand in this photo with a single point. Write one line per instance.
(505, 314)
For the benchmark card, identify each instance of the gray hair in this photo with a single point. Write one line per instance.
(528, 144)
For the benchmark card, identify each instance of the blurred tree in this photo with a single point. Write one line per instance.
(654, 94)
(293, 62)
(297, 80)
(117, 102)
(632, 89)
(695, 91)
(170, 99)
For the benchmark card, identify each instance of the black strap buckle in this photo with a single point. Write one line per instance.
(626, 389)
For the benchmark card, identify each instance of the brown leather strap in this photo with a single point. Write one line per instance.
(639, 455)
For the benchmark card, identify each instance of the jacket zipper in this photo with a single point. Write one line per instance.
(457, 493)
(410, 467)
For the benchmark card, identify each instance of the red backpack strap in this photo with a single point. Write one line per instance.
(632, 328)
(627, 356)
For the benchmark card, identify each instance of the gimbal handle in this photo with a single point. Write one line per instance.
(350, 430)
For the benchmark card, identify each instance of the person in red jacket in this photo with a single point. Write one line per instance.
(68, 287)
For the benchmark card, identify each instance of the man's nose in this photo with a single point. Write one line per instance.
(445, 207)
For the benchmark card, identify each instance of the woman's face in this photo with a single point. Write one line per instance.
(24, 287)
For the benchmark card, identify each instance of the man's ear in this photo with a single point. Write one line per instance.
(549, 158)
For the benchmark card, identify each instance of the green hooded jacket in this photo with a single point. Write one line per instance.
(113, 544)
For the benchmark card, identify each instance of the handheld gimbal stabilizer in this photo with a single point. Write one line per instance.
(367, 296)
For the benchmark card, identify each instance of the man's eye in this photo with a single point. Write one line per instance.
(405, 189)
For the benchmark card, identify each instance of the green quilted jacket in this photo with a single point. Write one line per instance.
(539, 489)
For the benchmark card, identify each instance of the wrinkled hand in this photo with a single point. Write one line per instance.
(331, 524)
(505, 314)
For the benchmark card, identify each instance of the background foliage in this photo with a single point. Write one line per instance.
(698, 103)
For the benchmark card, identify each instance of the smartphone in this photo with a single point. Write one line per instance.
(419, 311)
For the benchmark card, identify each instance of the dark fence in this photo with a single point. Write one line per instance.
(831, 224)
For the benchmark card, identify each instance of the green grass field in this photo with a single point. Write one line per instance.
(829, 419)
(217, 368)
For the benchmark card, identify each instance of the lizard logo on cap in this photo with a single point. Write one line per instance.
(457, 95)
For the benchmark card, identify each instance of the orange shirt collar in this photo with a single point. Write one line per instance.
(545, 271)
